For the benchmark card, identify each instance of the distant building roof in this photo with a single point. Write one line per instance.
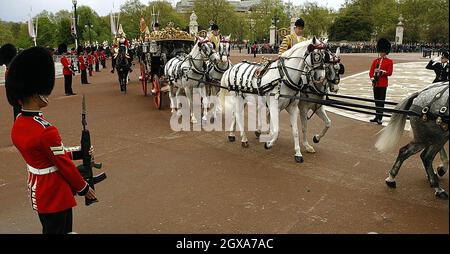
(239, 6)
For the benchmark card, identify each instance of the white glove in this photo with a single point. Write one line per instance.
(437, 59)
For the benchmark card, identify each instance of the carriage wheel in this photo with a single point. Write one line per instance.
(156, 89)
(143, 80)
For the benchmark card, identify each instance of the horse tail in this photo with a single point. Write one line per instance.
(390, 135)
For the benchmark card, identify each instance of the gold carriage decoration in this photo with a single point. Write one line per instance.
(283, 32)
(170, 33)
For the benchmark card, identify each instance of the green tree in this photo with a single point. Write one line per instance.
(317, 19)
(219, 11)
(353, 26)
(263, 14)
(6, 36)
(46, 28)
(130, 15)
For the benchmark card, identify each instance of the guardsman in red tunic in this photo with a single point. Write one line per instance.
(103, 57)
(7, 53)
(82, 63)
(89, 60)
(97, 62)
(67, 69)
(53, 179)
(381, 69)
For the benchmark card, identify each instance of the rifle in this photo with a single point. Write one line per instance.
(86, 168)
(375, 75)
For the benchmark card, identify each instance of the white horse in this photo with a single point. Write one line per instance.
(184, 71)
(214, 74)
(318, 90)
(285, 76)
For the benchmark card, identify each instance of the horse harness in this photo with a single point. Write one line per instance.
(441, 118)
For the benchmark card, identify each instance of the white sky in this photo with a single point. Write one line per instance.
(18, 10)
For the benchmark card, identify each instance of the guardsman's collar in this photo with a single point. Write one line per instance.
(31, 112)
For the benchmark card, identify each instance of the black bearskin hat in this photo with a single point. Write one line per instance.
(80, 50)
(384, 46)
(300, 23)
(214, 27)
(31, 72)
(100, 48)
(7, 53)
(445, 54)
(62, 48)
(88, 49)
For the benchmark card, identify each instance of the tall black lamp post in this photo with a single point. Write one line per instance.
(76, 22)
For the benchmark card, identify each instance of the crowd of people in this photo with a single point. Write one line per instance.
(428, 49)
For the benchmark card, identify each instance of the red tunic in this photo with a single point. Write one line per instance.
(52, 178)
(387, 65)
(96, 56)
(102, 55)
(82, 63)
(89, 58)
(66, 65)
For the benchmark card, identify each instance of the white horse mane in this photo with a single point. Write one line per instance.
(291, 51)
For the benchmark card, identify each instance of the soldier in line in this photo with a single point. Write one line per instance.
(82, 63)
(68, 72)
(96, 60)
(90, 60)
(53, 178)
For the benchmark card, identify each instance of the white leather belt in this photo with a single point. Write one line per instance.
(41, 171)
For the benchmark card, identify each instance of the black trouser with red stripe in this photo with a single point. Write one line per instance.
(56, 223)
(379, 93)
(84, 77)
(68, 84)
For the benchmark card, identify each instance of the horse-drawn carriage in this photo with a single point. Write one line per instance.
(155, 50)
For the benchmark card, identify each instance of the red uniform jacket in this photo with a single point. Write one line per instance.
(96, 56)
(102, 55)
(82, 63)
(52, 177)
(89, 59)
(387, 65)
(66, 65)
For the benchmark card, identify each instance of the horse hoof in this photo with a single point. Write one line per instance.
(310, 149)
(299, 159)
(442, 195)
(244, 144)
(257, 134)
(231, 138)
(315, 140)
(266, 146)
(441, 171)
(391, 184)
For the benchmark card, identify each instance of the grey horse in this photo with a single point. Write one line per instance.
(430, 131)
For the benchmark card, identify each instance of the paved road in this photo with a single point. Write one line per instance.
(160, 181)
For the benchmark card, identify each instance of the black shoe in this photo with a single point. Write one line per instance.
(70, 94)
(374, 120)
